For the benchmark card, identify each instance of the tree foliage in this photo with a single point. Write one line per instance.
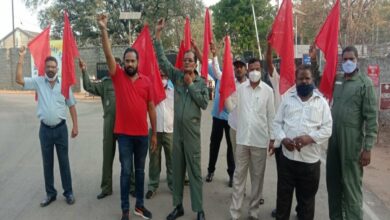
(362, 21)
(235, 17)
(82, 17)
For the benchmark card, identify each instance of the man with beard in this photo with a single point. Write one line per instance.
(105, 89)
(134, 94)
(53, 131)
(191, 95)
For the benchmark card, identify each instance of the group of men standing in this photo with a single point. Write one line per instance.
(256, 120)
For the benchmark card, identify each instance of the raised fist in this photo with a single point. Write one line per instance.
(22, 51)
(102, 21)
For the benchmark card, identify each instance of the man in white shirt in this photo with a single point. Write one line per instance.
(255, 114)
(303, 122)
(165, 113)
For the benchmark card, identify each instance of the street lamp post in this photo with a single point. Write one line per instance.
(130, 16)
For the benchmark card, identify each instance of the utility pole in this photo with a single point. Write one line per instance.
(257, 33)
(13, 23)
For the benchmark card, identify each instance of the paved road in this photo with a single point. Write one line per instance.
(21, 176)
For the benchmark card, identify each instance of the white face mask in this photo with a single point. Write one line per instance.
(254, 76)
(164, 82)
(51, 79)
(349, 66)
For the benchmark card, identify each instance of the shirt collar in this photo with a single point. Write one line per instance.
(248, 84)
(46, 80)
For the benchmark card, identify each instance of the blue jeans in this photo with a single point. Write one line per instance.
(58, 137)
(132, 147)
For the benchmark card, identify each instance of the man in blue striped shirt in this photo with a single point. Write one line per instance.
(51, 111)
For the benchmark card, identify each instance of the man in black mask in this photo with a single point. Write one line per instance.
(302, 123)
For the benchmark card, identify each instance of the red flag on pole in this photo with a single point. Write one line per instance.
(69, 53)
(327, 41)
(281, 39)
(185, 44)
(179, 56)
(147, 64)
(40, 49)
(187, 34)
(228, 86)
(207, 38)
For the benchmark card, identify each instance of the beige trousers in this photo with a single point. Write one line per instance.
(253, 158)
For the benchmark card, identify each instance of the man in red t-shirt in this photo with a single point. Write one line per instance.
(134, 100)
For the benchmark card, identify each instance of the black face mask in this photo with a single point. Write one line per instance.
(305, 90)
(131, 71)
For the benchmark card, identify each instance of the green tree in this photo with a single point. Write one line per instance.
(82, 17)
(235, 17)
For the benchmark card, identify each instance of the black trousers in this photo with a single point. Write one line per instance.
(217, 129)
(304, 178)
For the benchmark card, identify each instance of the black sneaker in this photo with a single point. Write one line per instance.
(143, 212)
(150, 194)
(125, 215)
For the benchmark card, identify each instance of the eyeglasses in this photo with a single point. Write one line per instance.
(351, 59)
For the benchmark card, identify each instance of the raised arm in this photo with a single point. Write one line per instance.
(94, 88)
(268, 57)
(102, 23)
(19, 67)
(163, 62)
(197, 51)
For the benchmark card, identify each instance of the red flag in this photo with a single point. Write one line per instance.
(327, 41)
(40, 49)
(185, 44)
(207, 38)
(281, 39)
(69, 53)
(147, 64)
(187, 35)
(228, 86)
(179, 56)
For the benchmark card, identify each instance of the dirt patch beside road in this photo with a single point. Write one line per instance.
(377, 174)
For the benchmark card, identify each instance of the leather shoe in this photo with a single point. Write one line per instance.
(176, 213)
(103, 194)
(209, 177)
(47, 201)
(70, 200)
(201, 216)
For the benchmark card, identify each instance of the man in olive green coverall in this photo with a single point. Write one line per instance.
(354, 113)
(191, 95)
(105, 90)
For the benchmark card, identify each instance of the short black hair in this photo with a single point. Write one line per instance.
(304, 67)
(254, 60)
(350, 49)
(193, 52)
(129, 50)
(51, 58)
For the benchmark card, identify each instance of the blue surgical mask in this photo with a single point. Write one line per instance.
(305, 89)
(349, 66)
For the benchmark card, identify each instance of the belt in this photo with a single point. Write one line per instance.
(54, 126)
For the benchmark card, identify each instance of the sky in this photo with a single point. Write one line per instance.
(26, 19)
